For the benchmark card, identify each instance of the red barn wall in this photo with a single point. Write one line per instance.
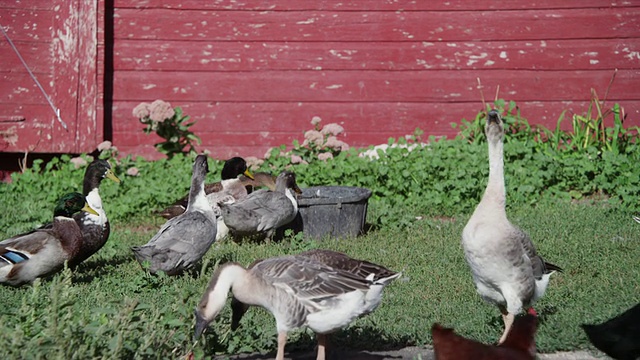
(57, 40)
(254, 73)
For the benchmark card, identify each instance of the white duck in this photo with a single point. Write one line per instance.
(298, 290)
(505, 267)
(183, 240)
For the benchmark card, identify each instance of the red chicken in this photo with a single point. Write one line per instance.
(519, 345)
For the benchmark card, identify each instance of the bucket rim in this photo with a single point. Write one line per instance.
(360, 194)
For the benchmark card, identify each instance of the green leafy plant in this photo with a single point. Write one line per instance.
(170, 124)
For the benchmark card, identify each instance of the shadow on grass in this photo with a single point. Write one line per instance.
(355, 343)
(90, 269)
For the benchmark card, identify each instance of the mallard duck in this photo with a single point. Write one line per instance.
(28, 256)
(184, 239)
(95, 228)
(505, 266)
(263, 211)
(230, 185)
(299, 291)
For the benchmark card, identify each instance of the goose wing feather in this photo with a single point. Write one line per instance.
(185, 233)
(359, 268)
(538, 265)
(308, 279)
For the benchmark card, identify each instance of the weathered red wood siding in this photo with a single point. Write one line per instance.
(57, 39)
(255, 73)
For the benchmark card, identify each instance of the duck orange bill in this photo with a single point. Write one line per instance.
(89, 209)
(248, 174)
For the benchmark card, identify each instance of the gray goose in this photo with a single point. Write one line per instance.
(298, 290)
(263, 211)
(183, 240)
(506, 269)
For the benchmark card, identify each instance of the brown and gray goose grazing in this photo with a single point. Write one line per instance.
(183, 240)
(298, 290)
(506, 269)
(263, 211)
(334, 259)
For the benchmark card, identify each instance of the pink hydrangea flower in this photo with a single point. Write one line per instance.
(332, 129)
(334, 143)
(133, 171)
(160, 110)
(295, 159)
(325, 156)
(313, 137)
(78, 162)
(105, 145)
(315, 120)
(253, 162)
(141, 111)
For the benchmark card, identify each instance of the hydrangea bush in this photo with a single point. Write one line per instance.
(170, 124)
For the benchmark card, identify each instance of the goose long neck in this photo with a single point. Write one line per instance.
(496, 192)
(230, 277)
(196, 192)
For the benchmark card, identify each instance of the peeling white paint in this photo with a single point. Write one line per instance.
(313, 85)
(631, 55)
(592, 53)
(343, 54)
(335, 86)
(305, 22)
(423, 63)
(503, 54)
(452, 44)
(489, 63)
(257, 26)
(148, 86)
(593, 62)
(475, 58)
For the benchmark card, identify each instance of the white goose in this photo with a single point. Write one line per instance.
(298, 290)
(505, 267)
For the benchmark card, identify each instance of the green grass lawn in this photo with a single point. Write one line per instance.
(109, 308)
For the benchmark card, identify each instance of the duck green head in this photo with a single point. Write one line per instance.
(234, 167)
(72, 203)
